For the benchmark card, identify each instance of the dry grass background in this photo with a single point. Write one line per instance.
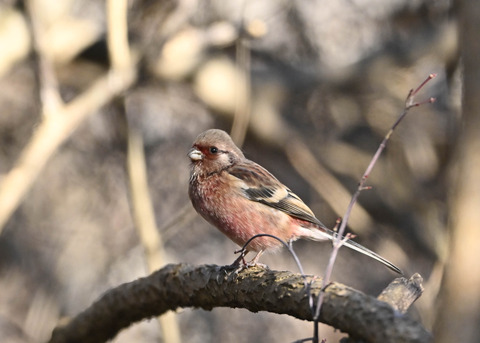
(309, 87)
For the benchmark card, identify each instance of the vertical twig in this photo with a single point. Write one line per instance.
(340, 239)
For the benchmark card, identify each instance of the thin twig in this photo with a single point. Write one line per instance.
(338, 241)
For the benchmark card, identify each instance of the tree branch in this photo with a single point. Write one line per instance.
(255, 289)
(402, 293)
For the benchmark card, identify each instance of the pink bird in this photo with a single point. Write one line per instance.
(242, 199)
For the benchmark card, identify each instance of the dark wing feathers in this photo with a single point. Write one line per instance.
(259, 193)
(261, 186)
(286, 206)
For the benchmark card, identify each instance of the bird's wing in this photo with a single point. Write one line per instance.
(259, 185)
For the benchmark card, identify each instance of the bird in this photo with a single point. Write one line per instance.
(243, 199)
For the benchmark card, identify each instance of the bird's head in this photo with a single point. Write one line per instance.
(213, 151)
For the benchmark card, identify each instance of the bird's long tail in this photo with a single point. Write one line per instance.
(322, 234)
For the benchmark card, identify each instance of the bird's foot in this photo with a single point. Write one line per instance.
(240, 264)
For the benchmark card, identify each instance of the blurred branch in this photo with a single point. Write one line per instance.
(57, 126)
(49, 94)
(180, 218)
(143, 212)
(54, 131)
(255, 289)
(334, 193)
(243, 106)
(117, 34)
(459, 312)
(144, 216)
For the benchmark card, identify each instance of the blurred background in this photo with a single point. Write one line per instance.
(309, 88)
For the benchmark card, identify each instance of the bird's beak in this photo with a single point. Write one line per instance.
(195, 155)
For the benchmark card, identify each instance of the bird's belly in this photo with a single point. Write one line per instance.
(240, 219)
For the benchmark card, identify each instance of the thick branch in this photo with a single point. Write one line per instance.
(255, 289)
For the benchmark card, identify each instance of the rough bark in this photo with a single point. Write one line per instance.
(255, 289)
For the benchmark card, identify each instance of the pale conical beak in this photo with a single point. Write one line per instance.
(195, 155)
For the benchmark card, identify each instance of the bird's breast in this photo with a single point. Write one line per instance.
(237, 217)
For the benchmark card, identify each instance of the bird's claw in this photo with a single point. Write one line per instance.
(240, 264)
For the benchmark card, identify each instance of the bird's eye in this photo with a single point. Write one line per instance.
(213, 150)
